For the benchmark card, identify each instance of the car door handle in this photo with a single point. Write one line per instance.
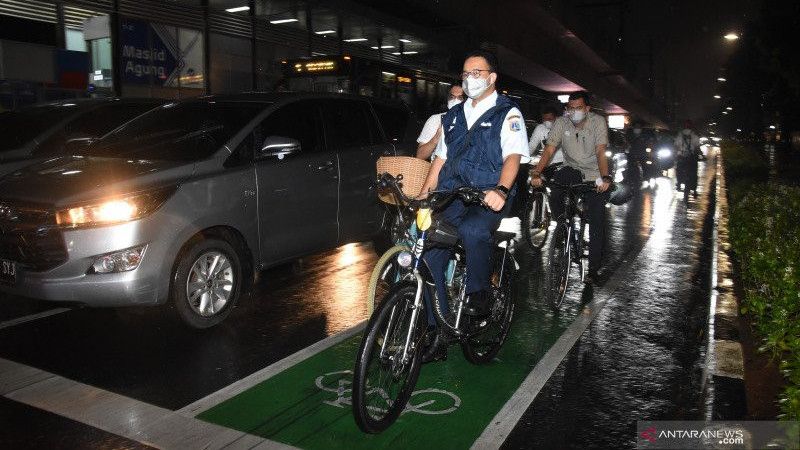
(328, 166)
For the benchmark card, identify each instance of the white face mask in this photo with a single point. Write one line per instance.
(548, 124)
(474, 87)
(577, 116)
(452, 102)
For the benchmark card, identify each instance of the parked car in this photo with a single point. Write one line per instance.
(43, 131)
(185, 202)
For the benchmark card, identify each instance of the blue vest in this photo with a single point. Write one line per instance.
(474, 157)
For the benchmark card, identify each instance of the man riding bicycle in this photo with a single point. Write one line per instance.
(583, 136)
(484, 142)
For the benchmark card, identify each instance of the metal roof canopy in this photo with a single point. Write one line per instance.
(548, 55)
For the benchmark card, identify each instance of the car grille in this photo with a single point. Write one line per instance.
(29, 237)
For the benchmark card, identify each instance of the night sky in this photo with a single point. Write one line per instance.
(690, 51)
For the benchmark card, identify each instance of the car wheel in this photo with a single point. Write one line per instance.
(207, 283)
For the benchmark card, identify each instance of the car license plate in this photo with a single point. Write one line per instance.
(8, 271)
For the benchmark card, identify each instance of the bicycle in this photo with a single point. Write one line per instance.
(390, 353)
(537, 214)
(568, 244)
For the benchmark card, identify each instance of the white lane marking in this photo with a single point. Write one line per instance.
(270, 371)
(507, 418)
(120, 415)
(32, 317)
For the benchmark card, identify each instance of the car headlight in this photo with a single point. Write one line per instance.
(114, 210)
(648, 149)
(664, 153)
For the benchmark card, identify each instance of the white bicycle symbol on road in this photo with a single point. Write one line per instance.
(428, 401)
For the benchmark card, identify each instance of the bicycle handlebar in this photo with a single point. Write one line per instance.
(436, 199)
(583, 186)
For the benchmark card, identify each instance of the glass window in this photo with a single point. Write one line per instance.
(348, 123)
(17, 128)
(393, 120)
(185, 131)
(299, 120)
(93, 124)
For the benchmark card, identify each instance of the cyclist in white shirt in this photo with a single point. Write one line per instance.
(432, 130)
(539, 137)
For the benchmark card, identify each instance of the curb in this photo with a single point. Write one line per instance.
(723, 386)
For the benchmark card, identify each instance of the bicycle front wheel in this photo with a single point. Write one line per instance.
(559, 260)
(536, 222)
(386, 274)
(388, 363)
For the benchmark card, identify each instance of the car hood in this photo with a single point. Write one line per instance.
(74, 179)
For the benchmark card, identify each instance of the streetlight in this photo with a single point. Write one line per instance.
(717, 97)
(729, 108)
(721, 79)
(731, 36)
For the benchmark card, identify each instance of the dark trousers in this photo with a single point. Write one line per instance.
(686, 172)
(476, 226)
(521, 196)
(596, 212)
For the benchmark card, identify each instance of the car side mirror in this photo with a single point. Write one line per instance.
(278, 147)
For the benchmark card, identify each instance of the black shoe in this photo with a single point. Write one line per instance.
(590, 277)
(436, 351)
(477, 304)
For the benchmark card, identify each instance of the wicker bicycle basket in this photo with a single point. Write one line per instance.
(414, 171)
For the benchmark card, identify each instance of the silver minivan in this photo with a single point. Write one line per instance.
(185, 202)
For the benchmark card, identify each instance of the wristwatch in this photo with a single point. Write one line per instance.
(504, 190)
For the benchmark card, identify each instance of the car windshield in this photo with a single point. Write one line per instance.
(17, 128)
(184, 131)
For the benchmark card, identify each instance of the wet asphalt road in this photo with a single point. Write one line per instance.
(641, 359)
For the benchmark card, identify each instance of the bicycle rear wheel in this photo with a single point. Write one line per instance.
(383, 378)
(559, 260)
(536, 221)
(583, 259)
(487, 335)
(385, 275)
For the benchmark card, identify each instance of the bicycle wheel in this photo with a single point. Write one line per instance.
(536, 221)
(583, 259)
(487, 335)
(559, 260)
(387, 273)
(383, 378)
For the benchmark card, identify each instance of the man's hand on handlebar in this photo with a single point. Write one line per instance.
(494, 200)
(536, 178)
(423, 195)
(605, 184)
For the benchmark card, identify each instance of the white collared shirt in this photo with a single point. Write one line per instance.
(513, 136)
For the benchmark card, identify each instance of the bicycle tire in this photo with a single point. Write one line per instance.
(559, 262)
(376, 406)
(583, 262)
(536, 221)
(482, 347)
(379, 284)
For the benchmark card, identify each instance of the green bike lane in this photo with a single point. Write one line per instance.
(308, 404)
